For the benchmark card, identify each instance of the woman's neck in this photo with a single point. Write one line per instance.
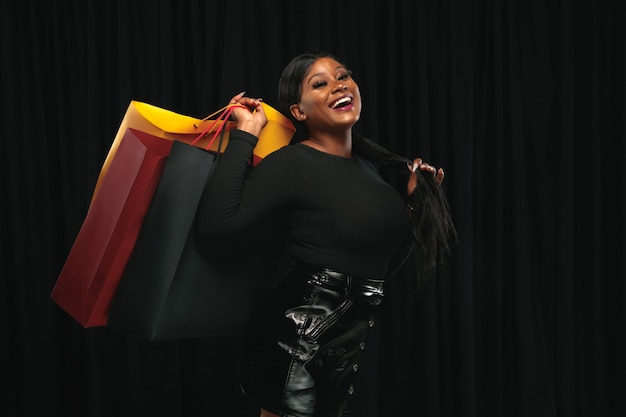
(334, 145)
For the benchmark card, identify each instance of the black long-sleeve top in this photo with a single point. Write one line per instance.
(337, 212)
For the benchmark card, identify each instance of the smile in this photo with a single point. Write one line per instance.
(343, 101)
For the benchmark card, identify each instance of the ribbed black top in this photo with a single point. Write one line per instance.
(338, 212)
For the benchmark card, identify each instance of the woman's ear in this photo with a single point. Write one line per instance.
(297, 113)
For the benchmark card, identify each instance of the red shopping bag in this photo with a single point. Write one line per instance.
(97, 259)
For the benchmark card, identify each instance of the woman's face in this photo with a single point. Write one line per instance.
(330, 97)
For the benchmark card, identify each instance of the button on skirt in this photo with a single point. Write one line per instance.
(305, 341)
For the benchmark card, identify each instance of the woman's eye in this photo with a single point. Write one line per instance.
(319, 84)
(345, 75)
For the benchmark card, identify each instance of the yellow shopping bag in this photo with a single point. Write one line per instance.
(170, 125)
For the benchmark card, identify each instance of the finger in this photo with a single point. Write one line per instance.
(440, 175)
(428, 167)
(259, 109)
(416, 164)
(237, 97)
(250, 103)
(412, 183)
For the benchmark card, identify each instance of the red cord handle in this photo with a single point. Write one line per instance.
(225, 113)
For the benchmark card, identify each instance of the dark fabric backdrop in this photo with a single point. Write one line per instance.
(522, 103)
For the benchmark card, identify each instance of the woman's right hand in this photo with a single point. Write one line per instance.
(251, 117)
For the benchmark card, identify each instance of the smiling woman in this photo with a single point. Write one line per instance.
(346, 232)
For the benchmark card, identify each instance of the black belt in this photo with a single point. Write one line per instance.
(352, 285)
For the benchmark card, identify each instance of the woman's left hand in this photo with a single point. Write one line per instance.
(419, 164)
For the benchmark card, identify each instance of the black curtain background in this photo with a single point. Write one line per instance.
(522, 103)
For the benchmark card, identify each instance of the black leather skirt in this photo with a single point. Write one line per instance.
(306, 339)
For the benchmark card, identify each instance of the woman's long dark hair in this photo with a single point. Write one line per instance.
(432, 227)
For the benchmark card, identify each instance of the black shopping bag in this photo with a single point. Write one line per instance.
(173, 286)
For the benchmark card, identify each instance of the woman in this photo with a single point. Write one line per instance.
(347, 231)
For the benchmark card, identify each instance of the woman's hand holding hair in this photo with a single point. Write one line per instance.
(421, 165)
(251, 117)
(431, 224)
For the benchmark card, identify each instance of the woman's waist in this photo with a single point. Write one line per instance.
(339, 281)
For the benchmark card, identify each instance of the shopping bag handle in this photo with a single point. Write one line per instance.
(224, 114)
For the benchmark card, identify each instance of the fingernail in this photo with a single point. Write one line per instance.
(242, 93)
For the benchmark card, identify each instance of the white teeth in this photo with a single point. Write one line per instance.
(341, 101)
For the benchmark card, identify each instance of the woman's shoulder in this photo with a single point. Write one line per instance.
(287, 159)
(288, 153)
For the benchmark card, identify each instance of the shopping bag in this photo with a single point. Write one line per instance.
(175, 287)
(133, 168)
(92, 270)
(170, 125)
